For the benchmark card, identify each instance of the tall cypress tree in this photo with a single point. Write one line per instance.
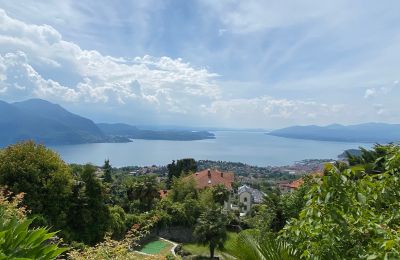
(107, 171)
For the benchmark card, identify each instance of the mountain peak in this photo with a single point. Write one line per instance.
(45, 122)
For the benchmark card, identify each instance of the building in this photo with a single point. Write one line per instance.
(290, 186)
(294, 185)
(248, 197)
(209, 178)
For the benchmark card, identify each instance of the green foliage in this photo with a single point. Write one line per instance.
(250, 245)
(118, 219)
(350, 214)
(211, 228)
(107, 171)
(117, 250)
(268, 216)
(42, 176)
(177, 213)
(90, 213)
(372, 161)
(183, 189)
(220, 194)
(142, 193)
(181, 167)
(17, 241)
(295, 201)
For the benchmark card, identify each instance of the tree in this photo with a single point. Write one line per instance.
(143, 192)
(251, 245)
(351, 214)
(118, 226)
(107, 171)
(17, 240)
(183, 166)
(269, 215)
(89, 214)
(44, 178)
(211, 229)
(183, 189)
(220, 194)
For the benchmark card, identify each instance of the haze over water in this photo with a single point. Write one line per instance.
(254, 148)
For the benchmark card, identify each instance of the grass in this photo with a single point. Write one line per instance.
(156, 246)
(358, 167)
(203, 250)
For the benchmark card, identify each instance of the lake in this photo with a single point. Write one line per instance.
(254, 148)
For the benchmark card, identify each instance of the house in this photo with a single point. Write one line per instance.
(290, 186)
(209, 178)
(248, 197)
(294, 185)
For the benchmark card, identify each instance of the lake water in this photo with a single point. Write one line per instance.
(254, 148)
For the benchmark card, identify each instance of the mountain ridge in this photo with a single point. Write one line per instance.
(372, 132)
(49, 123)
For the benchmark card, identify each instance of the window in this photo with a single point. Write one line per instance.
(245, 199)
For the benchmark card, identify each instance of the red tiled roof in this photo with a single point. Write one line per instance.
(209, 178)
(297, 183)
(163, 193)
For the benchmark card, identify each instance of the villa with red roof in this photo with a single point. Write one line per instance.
(209, 178)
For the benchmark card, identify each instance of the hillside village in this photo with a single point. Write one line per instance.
(188, 212)
(243, 196)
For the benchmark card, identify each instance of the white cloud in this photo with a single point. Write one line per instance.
(382, 91)
(37, 61)
(370, 92)
(255, 15)
(26, 49)
(266, 109)
(379, 108)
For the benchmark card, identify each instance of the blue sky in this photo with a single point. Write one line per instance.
(206, 63)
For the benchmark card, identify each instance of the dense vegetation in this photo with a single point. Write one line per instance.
(17, 240)
(350, 211)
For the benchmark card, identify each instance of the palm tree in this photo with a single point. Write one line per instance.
(251, 246)
(211, 229)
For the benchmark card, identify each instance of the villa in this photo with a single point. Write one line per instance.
(209, 178)
(248, 197)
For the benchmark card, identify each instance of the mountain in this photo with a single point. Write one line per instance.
(49, 123)
(364, 133)
(128, 131)
(118, 129)
(45, 122)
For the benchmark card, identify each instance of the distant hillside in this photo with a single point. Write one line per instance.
(133, 132)
(45, 122)
(365, 133)
(49, 123)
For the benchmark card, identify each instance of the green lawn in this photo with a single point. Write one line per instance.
(156, 247)
(358, 167)
(198, 249)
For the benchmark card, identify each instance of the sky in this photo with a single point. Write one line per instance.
(227, 63)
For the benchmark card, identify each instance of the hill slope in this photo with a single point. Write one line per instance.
(368, 133)
(124, 130)
(49, 123)
(45, 122)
